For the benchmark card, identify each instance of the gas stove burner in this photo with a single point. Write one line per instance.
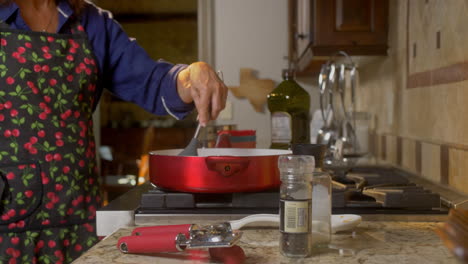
(159, 200)
(362, 180)
(387, 189)
(404, 197)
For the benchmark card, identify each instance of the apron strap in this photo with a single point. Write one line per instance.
(75, 28)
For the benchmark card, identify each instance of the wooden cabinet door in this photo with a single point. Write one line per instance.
(355, 26)
(324, 27)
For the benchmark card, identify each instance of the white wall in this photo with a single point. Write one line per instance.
(251, 34)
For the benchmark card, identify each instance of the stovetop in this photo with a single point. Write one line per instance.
(349, 196)
(366, 190)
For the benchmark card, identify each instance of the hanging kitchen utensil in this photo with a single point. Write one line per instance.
(328, 133)
(176, 238)
(353, 76)
(341, 88)
(330, 87)
(338, 133)
(323, 79)
(347, 131)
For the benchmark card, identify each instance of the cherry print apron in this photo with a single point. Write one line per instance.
(48, 184)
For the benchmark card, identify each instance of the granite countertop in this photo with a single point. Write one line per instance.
(370, 242)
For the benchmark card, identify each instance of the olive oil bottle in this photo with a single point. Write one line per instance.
(289, 105)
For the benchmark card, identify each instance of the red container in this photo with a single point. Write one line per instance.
(216, 170)
(239, 138)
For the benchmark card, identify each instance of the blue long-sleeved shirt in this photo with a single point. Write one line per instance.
(125, 68)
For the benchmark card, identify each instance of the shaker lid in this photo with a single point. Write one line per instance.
(316, 150)
(296, 164)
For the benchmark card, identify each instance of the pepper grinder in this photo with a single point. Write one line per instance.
(321, 194)
(295, 205)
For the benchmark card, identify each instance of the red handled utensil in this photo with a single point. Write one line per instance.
(177, 238)
(173, 238)
(157, 230)
(186, 229)
(168, 242)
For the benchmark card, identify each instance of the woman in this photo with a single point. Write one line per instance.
(55, 58)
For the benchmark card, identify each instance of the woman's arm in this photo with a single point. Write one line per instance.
(157, 86)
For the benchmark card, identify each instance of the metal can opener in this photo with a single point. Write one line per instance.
(176, 238)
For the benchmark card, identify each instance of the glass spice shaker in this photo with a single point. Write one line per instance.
(321, 194)
(295, 205)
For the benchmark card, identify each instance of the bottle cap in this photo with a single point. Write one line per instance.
(296, 164)
(316, 150)
(288, 74)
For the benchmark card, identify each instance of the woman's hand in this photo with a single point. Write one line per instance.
(199, 83)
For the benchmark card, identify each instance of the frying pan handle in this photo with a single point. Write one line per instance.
(168, 242)
(157, 230)
(226, 165)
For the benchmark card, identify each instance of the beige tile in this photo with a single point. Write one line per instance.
(391, 149)
(449, 103)
(431, 114)
(453, 20)
(374, 144)
(409, 155)
(458, 169)
(430, 162)
(418, 113)
(426, 19)
(379, 146)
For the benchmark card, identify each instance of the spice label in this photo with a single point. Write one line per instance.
(281, 127)
(295, 216)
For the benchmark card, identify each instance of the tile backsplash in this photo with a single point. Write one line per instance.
(418, 94)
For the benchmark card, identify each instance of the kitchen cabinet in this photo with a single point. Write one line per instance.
(324, 27)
